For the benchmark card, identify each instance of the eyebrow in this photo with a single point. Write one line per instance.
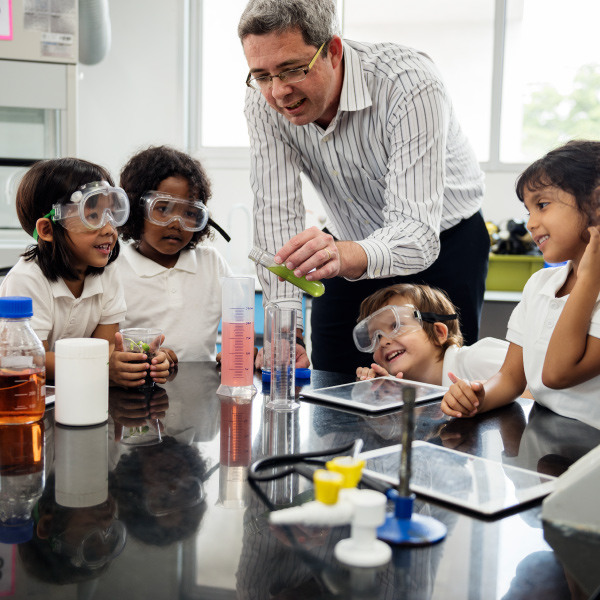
(535, 196)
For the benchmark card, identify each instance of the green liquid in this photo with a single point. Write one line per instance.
(314, 288)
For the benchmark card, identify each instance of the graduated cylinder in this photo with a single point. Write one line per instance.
(237, 338)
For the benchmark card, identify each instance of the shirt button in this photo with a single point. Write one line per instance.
(173, 291)
(326, 138)
(554, 304)
(349, 200)
(377, 272)
(549, 324)
(334, 172)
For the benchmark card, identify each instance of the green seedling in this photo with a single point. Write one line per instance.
(139, 346)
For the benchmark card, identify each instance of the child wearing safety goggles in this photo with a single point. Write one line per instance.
(554, 331)
(171, 281)
(413, 332)
(72, 210)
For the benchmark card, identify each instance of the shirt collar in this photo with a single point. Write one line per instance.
(92, 286)
(144, 267)
(355, 92)
(555, 281)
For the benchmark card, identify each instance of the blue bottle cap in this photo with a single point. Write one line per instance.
(17, 532)
(16, 307)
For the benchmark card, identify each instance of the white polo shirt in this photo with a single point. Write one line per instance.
(477, 362)
(184, 301)
(57, 314)
(531, 325)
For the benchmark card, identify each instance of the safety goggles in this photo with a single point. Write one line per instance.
(392, 321)
(163, 209)
(98, 547)
(92, 206)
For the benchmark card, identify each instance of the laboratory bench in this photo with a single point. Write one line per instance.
(170, 514)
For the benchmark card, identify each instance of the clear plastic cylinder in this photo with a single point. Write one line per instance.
(237, 338)
(283, 358)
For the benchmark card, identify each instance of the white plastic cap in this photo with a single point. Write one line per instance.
(81, 348)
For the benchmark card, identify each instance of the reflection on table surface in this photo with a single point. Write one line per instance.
(156, 504)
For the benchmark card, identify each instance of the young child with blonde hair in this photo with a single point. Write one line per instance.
(413, 331)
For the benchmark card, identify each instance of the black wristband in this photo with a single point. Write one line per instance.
(300, 342)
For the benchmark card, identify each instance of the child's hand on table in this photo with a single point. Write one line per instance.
(464, 398)
(363, 373)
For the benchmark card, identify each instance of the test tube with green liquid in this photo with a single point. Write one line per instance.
(266, 259)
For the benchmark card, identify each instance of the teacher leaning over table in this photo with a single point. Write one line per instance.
(373, 129)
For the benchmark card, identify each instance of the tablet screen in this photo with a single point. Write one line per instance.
(372, 395)
(468, 481)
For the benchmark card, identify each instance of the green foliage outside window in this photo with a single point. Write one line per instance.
(551, 118)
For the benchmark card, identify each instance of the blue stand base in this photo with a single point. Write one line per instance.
(402, 527)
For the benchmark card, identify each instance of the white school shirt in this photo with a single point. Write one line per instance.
(477, 362)
(531, 325)
(184, 301)
(392, 169)
(57, 314)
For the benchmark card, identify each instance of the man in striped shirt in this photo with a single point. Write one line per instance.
(373, 129)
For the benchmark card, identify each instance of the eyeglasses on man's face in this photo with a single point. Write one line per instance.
(290, 76)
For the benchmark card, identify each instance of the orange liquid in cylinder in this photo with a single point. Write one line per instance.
(22, 395)
(237, 354)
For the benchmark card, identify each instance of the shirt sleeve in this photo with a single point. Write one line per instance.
(224, 269)
(114, 308)
(279, 212)
(408, 242)
(486, 357)
(38, 289)
(517, 323)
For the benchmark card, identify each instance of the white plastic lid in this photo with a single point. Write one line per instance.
(81, 348)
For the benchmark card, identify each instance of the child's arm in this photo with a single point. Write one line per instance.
(466, 398)
(573, 356)
(371, 372)
(49, 361)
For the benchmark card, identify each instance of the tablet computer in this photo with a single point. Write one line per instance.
(49, 395)
(374, 395)
(478, 484)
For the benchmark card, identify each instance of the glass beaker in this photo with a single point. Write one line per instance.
(237, 338)
(283, 358)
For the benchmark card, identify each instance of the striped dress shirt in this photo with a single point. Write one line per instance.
(392, 170)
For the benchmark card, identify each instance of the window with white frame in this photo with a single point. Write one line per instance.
(224, 71)
(524, 75)
(551, 79)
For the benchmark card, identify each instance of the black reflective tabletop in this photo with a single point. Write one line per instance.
(156, 504)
